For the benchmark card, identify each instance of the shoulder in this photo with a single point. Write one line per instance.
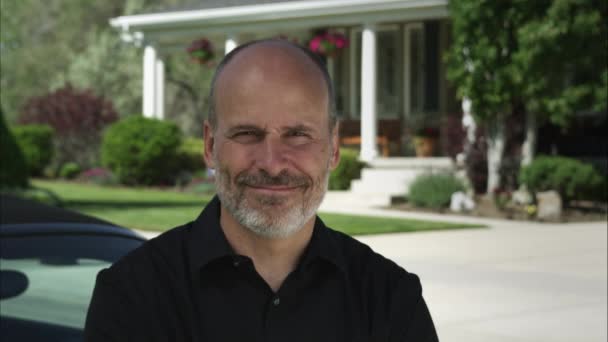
(367, 267)
(160, 254)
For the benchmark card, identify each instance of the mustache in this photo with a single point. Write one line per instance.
(263, 178)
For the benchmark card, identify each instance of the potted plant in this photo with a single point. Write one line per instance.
(328, 44)
(425, 141)
(201, 51)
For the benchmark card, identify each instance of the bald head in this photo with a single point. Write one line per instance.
(270, 63)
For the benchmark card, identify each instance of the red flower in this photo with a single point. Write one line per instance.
(201, 51)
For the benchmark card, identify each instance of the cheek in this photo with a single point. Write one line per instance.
(312, 160)
(232, 156)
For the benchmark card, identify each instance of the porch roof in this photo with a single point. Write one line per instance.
(177, 27)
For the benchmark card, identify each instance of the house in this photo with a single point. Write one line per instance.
(389, 80)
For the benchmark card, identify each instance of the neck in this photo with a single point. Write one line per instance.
(273, 259)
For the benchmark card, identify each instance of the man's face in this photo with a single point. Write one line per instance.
(272, 147)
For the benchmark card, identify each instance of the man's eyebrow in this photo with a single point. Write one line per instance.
(244, 127)
(299, 128)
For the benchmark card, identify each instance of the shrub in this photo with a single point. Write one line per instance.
(69, 170)
(78, 118)
(36, 142)
(574, 180)
(13, 168)
(190, 155)
(434, 190)
(348, 169)
(141, 151)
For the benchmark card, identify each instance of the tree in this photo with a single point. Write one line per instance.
(528, 58)
(45, 44)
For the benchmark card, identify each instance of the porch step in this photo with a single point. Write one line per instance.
(391, 177)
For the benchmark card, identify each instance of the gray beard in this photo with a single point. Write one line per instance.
(257, 213)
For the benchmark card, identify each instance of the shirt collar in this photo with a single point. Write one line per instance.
(208, 242)
(324, 244)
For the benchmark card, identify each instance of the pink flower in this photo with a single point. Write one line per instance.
(328, 44)
(315, 43)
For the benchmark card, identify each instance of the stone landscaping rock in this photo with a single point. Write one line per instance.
(460, 202)
(549, 206)
(522, 196)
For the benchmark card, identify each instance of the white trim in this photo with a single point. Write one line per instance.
(167, 27)
(272, 11)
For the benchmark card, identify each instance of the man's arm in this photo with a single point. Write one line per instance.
(412, 321)
(109, 317)
(421, 327)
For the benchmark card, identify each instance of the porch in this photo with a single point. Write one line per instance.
(389, 81)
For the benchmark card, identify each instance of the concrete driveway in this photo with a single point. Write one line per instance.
(515, 281)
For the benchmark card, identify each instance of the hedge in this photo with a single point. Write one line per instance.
(573, 179)
(434, 190)
(348, 169)
(141, 151)
(13, 168)
(36, 142)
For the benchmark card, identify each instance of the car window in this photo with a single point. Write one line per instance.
(50, 280)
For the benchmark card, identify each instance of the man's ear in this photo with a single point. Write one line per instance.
(335, 147)
(209, 144)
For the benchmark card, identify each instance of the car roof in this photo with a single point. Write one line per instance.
(22, 216)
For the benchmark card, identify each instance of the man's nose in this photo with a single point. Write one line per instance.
(272, 157)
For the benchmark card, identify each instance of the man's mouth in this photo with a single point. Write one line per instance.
(273, 189)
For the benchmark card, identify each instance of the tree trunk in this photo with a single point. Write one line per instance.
(529, 146)
(496, 146)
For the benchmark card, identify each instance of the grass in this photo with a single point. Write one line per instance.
(159, 210)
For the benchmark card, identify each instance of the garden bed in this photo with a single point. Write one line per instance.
(485, 207)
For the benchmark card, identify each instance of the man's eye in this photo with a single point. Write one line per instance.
(297, 138)
(298, 134)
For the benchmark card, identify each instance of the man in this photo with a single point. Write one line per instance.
(257, 264)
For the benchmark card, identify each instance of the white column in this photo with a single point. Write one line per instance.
(369, 149)
(159, 91)
(149, 82)
(230, 44)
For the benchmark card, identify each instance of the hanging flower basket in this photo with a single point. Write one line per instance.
(328, 44)
(201, 51)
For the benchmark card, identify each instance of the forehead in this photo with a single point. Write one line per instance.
(271, 82)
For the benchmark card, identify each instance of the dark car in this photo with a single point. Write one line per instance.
(49, 258)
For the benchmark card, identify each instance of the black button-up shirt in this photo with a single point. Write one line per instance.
(188, 285)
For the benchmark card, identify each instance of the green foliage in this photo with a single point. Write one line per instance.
(85, 51)
(543, 55)
(349, 168)
(36, 142)
(69, 170)
(434, 190)
(190, 155)
(13, 168)
(573, 179)
(141, 151)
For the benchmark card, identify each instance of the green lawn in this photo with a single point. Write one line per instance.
(159, 210)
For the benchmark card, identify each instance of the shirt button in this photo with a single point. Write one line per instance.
(276, 301)
(236, 263)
